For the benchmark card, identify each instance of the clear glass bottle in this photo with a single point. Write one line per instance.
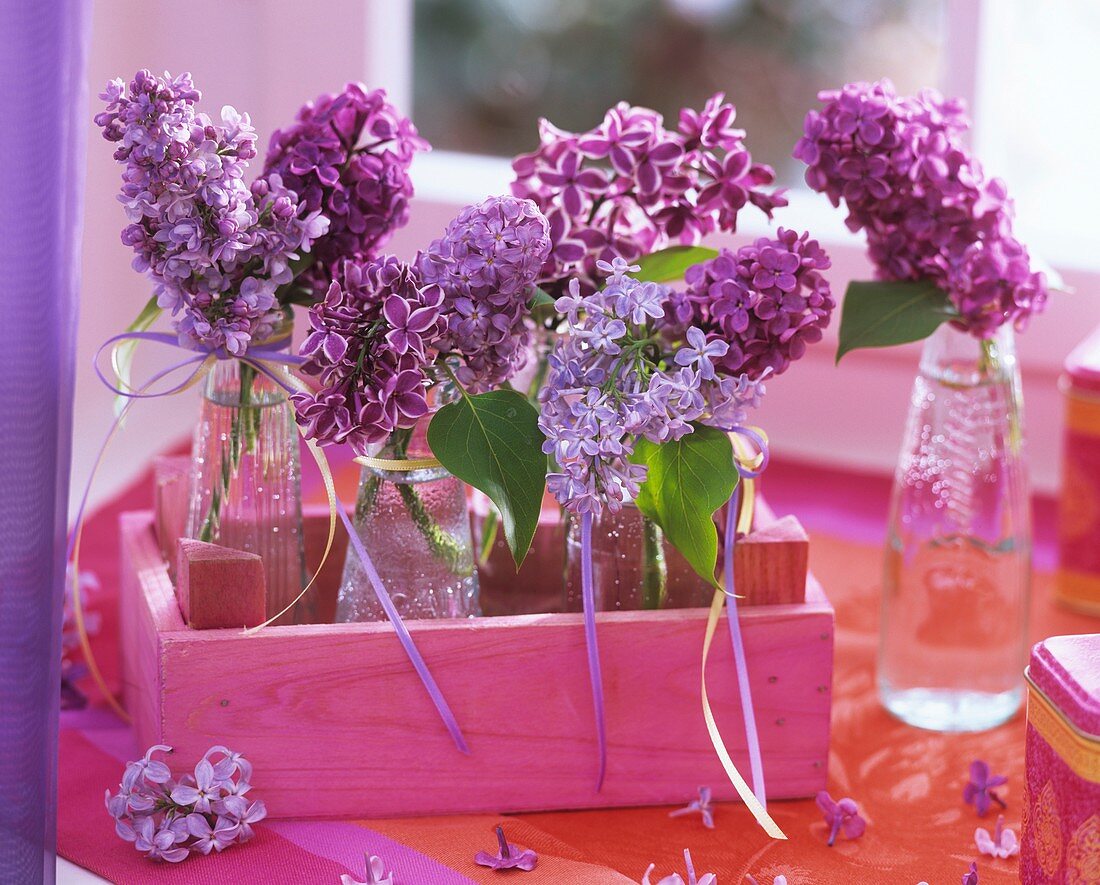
(633, 567)
(245, 487)
(415, 524)
(956, 590)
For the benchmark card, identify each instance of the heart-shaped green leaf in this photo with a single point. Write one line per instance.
(882, 314)
(670, 264)
(687, 481)
(492, 441)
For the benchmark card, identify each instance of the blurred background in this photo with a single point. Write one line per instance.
(477, 74)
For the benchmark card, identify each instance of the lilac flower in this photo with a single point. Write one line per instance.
(617, 377)
(166, 819)
(841, 816)
(72, 669)
(677, 879)
(217, 836)
(970, 877)
(508, 858)
(1002, 843)
(376, 874)
(929, 211)
(631, 186)
(372, 372)
(979, 789)
(765, 303)
(216, 249)
(701, 806)
(486, 263)
(348, 156)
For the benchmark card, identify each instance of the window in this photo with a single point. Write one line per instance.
(485, 70)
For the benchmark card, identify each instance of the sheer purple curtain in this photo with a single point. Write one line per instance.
(43, 110)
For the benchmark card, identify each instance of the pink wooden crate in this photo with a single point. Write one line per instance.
(337, 724)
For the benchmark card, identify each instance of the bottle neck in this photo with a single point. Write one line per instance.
(956, 357)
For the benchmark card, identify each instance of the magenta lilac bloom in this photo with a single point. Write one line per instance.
(928, 209)
(979, 789)
(348, 156)
(508, 857)
(487, 262)
(767, 301)
(373, 336)
(631, 186)
(216, 249)
(970, 877)
(168, 820)
(615, 377)
(842, 816)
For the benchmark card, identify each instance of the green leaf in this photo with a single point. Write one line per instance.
(492, 441)
(539, 298)
(688, 479)
(881, 314)
(122, 359)
(670, 264)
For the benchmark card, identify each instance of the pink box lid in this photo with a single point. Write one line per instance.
(1083, 363)
(1067, 670)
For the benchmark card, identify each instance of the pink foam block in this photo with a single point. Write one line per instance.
(219, 587)
(337, 724)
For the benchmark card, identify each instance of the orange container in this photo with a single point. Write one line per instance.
(1078, 582)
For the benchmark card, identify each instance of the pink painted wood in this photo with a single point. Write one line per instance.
(337, 724)
(219, 587)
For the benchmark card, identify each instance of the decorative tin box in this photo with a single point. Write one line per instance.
(337, 724)
(1061, 837)
(1078, 583)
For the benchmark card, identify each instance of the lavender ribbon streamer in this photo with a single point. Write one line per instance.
(748, 712)
(403, 633)
(595, 676)
(42, 54)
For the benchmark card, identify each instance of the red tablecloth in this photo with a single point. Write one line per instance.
(908, 782)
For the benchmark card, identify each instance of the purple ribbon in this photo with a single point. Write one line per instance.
(260, 357)
(748, 712)
(595, 677)
(403, 633)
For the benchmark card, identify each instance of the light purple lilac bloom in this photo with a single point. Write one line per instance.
(216, 249)
(372, 339)
(677, 879)
(701, 806)
(979, 788)
(631, 186)
(842, 816)
(375, 873)
(508, 857)
(166, 819)
(1002, 842)
(615, 377)
(766, 302)
(486, 262)
(899, 165)
(347, 156)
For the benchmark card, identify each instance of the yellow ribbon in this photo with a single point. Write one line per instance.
(751, 461)
(398, 465)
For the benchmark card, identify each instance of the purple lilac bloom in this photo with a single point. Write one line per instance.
(677, 879)
(1001, 843)
(614, 378)
(979, 789)
(486, 262)
(168, 820)
(928, 209)
(766, 302)
(376, 873)
(970, 877)
(630, 186)
(215, 248)
(348, 156)
(701, 805)
(373, 337)
(842, 816)
(508, 857)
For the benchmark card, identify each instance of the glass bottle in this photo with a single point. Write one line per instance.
(956, 589)
(415, 525)
(245, 485)
(633, 567)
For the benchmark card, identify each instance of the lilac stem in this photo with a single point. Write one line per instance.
(690, 869)
(834, 831)
(504, 849)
